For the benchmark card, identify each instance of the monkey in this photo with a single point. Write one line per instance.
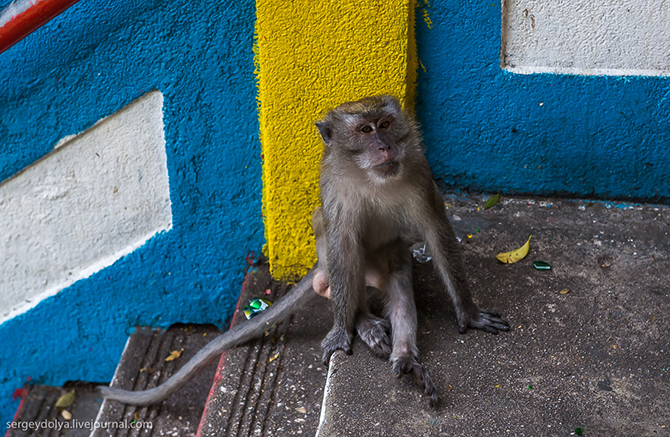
(377, 199)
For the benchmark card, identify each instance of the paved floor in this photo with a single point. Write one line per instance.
(592, 361)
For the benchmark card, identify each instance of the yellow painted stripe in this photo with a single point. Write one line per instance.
(312, 56)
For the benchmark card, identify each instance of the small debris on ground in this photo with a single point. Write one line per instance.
(256, 306)
(541, 265)
(174, 355)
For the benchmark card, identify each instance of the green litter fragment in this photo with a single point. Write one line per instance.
(578, 431)
(541, 265)
(530, 387)
(256, 306)
(493, 201)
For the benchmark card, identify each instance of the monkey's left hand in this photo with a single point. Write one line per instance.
(486, 320)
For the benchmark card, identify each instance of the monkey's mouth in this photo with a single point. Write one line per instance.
(387, 168)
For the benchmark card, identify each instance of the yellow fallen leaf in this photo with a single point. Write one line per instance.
(274, 357)
(66, 414)
(66, 400)
(174, 355)
(565, 291)
(515, 255)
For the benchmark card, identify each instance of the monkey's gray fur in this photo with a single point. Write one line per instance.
(378, 198)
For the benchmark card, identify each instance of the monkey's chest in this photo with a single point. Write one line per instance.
(384, 230)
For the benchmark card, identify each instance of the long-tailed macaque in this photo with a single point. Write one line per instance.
(378, 198)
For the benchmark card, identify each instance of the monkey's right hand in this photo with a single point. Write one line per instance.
(337, 338)
(486, 320)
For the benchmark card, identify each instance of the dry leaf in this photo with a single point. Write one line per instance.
(274, 357)
(174, 355)
(301, 410)
(565, 291)
(66, 400)
(66, 414)
(515, 255)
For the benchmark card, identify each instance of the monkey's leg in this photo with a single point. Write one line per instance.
(374, 331)
(401, 310)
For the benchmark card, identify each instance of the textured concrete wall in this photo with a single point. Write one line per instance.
(312, 58)
(85, 65)
(489, 129)
(96, 198)
(614, 37)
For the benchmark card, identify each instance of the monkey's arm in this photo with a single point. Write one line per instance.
(346, 277)
(449, 264)
(301, 294)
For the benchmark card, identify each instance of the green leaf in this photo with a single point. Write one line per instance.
(66, 400)
(493, 201)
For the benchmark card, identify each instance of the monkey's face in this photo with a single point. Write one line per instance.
(376, 146)
(368, 133)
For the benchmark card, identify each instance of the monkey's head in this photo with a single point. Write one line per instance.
(370, 133)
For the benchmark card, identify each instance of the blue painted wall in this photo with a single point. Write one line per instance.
(86, 64)
(485, 129)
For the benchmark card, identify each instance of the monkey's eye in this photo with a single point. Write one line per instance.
(366, 129)
(384, 124)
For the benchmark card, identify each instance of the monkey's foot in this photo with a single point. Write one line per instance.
(410, 367)
(337, 338)
(374, 331)
(487, 321)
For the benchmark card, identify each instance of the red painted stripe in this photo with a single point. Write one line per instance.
(218, 377)
(24, 396)
(26, 22)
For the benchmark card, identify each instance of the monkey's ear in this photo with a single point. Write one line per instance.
(326, 131)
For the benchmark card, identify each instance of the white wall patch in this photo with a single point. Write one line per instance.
(611, 37)
(93, 200)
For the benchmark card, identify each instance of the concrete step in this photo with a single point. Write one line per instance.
(272, 386)
(143, 366)
(38, 409)
(590, 361)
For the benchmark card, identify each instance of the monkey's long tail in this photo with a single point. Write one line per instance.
(301, 294)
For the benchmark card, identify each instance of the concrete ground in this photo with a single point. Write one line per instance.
(592, 361)
(588, 351)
